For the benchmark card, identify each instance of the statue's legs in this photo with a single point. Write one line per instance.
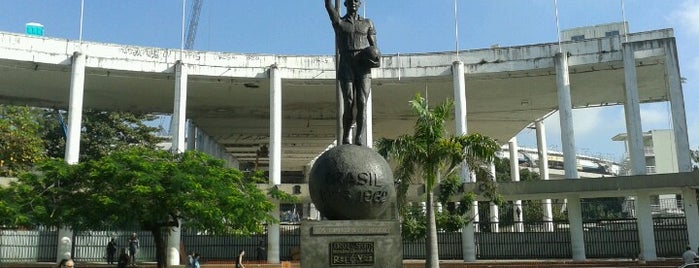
(348, 96)
(362, 89)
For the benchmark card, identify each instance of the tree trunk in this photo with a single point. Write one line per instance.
(432, 246)
(160, 246)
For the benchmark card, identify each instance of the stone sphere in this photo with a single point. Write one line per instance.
(351, 182)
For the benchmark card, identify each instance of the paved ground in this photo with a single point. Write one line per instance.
(665, 263)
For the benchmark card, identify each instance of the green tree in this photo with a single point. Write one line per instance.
(20, 140)
(695, 159)
(101, 133)
(153, 189)
(430, 154)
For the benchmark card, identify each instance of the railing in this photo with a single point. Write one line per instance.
(604, 238)
(28, 245)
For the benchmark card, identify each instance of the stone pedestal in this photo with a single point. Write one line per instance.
(351, 243)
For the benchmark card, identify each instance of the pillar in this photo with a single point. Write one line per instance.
(544, 171)
(191, 136)
(691, 212)
(632, 112)
(72, 154)
(179, 111)
(644, 219)
(565, 113)
(679, 120)
(179, 119)
(577, 240)
(275, 157)
(75, 108)
(514, 174)
(459, 83)
(494, 210)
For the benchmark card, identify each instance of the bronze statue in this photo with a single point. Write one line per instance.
(356, 41)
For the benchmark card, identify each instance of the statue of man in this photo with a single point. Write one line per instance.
(356, 41)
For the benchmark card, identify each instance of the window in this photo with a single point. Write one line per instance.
(578, 37)
(611, 33)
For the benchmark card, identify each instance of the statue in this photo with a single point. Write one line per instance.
(356, 41)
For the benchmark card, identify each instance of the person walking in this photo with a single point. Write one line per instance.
(239, 259)
(123, 260)
(195, 261)
(111, 251)
(688, 256)
(133, 248)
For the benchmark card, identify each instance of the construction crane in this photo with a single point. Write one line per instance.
(193, 23)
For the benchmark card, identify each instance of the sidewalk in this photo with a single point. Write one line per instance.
(666, 263)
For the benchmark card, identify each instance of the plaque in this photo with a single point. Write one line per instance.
(352, 254)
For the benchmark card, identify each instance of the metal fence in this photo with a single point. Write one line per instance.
(604, 238)
(28, 245)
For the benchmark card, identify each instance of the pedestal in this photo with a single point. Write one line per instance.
(351, 243)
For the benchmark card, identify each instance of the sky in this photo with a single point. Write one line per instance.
(403, 26)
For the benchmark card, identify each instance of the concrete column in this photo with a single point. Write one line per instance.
(275, 156)
(544, 171)
(459, 82)
(632, 112)
(514, 174)
(565, 112)
(191, 136)
(644, 219)
(179, 112)
(75, 108)
(179, 118)
(494, 210)
(577, 240)
(72, 153)
(679, 119)
(691, 212)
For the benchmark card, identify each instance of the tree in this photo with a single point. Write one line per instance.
(695, 159)
(153, 189)
(101, 133)
(20, 142)
(430, 154)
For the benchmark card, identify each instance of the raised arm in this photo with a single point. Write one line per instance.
(334, 15)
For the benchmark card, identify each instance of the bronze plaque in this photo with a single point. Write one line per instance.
(351, 253)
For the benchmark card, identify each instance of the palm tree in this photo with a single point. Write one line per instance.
(430, 153)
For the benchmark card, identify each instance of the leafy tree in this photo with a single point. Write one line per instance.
(29, 135)
(153, 189)
(695, 159)
(20, 142)
(430, 155)
(102, 132)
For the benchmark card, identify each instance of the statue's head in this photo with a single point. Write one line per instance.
(352, 5)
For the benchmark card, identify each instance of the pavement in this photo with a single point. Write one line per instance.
(597, 263)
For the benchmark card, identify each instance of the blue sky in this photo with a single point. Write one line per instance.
(302, 27)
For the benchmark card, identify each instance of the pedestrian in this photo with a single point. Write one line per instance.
(189, 262)
(195, 262)
(688, 256)
(111, 251)
(123, 260)
(239, 259)
(133, 248)
(260, 251)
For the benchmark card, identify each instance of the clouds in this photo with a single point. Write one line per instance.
(595, 127)
(688, 16)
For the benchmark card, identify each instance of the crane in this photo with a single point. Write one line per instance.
(193, 23)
